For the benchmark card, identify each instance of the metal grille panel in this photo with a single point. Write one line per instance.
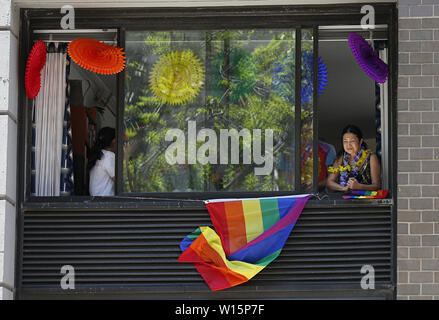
(139, 249)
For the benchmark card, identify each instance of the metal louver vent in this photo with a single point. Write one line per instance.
(138, 250)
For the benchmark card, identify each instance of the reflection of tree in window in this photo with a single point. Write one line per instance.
(237, 94)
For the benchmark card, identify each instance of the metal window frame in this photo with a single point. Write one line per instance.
(123, 19)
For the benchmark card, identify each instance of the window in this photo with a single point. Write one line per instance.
(205, 108)
(351, 96)
(212, 110)
(72, 106)
(255, 51)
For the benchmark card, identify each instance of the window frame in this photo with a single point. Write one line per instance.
(123, 19)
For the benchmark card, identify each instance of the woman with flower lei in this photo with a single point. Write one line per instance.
(356, 167)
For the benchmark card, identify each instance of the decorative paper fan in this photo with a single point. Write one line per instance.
(35, 62)
(368, 59)
(177, 77)
(97, 56)
(283, 80)
(307, 77)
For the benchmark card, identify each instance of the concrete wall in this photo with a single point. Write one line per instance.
(8, 144)
(418, 150)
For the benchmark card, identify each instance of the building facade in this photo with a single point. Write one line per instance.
(398, 236)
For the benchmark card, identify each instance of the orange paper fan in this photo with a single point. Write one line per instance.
(97, 56)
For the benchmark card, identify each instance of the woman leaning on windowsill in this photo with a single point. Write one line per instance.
(356, 167)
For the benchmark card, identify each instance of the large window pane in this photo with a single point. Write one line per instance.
(209, 111)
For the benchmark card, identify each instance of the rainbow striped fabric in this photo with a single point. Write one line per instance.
(250, 233)
(359, 194)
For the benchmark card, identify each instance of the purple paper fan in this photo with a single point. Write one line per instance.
(368, 59)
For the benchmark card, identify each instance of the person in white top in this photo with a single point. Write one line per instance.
(101, 163)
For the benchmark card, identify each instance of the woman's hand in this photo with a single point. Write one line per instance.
(353, 184)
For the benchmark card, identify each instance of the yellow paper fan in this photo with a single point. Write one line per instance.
(177, 77)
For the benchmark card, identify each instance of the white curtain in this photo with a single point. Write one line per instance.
(49, 118)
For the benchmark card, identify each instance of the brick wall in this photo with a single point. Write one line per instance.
(418, 150)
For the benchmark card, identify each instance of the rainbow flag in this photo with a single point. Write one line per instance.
(250, 233)
(360, 194)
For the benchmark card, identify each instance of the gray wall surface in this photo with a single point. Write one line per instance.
(349, 97)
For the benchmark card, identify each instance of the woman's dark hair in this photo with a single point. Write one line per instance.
(350, 128)
(103, 140)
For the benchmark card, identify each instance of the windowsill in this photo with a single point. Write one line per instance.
(137, 202)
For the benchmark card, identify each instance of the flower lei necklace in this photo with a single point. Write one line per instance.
(353, 166)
